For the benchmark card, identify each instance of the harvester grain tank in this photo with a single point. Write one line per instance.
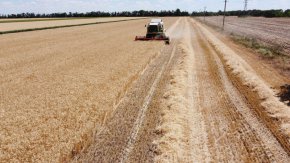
(155, 31)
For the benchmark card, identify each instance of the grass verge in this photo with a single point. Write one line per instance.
(274, 53)
(267, 51)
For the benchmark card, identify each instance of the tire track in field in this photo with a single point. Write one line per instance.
(141, 115)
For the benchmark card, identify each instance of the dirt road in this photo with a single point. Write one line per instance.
(114, 100)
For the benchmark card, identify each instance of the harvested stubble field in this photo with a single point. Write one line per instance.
(271, 31)
(4, 27)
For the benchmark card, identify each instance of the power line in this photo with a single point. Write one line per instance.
(204, 14)
(246, 5)
(225, 9)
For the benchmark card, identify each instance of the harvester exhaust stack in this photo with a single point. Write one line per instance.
(155, 31)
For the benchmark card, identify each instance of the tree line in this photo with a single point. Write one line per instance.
(143, 13)
(256, 13)
(140, 13)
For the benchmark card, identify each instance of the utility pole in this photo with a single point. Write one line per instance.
(204, 14)
(225, 9)
(246, 5)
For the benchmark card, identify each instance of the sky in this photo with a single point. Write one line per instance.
(51, 6)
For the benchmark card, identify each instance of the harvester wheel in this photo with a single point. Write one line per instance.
(167, 42)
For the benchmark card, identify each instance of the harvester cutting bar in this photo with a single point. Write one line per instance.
(144, 38)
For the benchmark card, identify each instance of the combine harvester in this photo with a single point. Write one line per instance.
(155, 31)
